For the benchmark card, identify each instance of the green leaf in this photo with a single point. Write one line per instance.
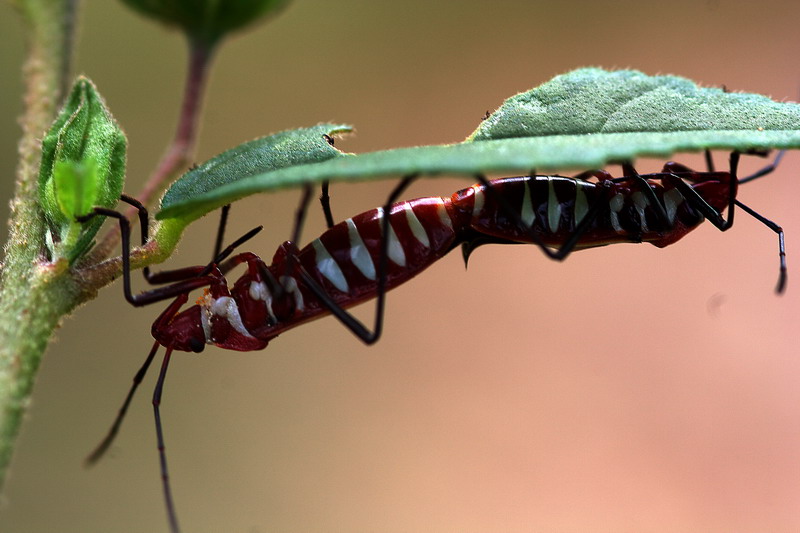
(280, 150)
(83, 165)
(207, 20)
(592, 101)
(581, 120)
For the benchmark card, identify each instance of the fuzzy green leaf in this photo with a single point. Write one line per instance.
(581, 120)
(83, 165)
(594, 101)
(280, 150)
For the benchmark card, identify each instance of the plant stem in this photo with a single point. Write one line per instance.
(180, 151)
(34, 295)
(34, 292)
(158, 249)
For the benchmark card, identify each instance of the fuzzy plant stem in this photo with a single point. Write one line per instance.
(180, 151)
(34, 294)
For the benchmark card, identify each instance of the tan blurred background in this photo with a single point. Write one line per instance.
(627, 389)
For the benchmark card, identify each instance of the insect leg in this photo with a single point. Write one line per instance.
(694, 199)
(186, 279)
(652, 200)
(346, 318)
(125, 235)
(179, 274)
(144, 224)
(198, 276)
(766, 170)
(172, 516)
(223, 221)
(165, 276)
(299, 220)
(224, 254)
(300, 215)
(141, 211)
(325, 200)
(781, 246)
(709, 160)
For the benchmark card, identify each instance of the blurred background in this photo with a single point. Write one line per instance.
(626, 389)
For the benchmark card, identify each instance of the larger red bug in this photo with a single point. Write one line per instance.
(366, 255)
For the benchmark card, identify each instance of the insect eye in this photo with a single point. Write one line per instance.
(196, 345)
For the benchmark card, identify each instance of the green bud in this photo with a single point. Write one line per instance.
(83, 165)
(207, 21)
(77, 184)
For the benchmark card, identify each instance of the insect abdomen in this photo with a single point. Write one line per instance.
(552, 208)
(345, 259)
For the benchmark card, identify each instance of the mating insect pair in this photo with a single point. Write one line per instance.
(370, 253)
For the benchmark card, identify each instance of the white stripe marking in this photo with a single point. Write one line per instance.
(226, 307)
(205, 315)
(640, 201)
(416, 226)
(616, 203)
(553, 207)
(359, 254)
(204, 321)
(477, 206)
(259, 291)
(672, 199)
(328, 266)
(290, 284)
(527, 213)
(395, 252)
(443, 215)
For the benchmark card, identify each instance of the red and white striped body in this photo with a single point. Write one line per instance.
(344, 260)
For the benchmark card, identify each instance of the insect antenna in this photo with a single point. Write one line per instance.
(224, 254)
(102, 448)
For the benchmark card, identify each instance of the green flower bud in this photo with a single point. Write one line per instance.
(83, 165)
(207, 21)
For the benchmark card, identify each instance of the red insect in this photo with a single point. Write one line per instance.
(370, 253)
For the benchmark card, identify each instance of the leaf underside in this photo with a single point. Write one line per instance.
(581, 120)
